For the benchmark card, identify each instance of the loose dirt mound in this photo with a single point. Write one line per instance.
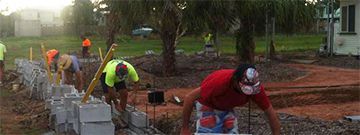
(18, 113)
(191, 70)
(335, 61)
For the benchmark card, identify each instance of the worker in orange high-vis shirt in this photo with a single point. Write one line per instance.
(86, 43)
(52, 57)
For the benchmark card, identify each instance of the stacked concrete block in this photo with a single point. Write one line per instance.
(60, 120)
(137, 121)
(69, 107)
(59, 91)
(93, 115)
(34, 76)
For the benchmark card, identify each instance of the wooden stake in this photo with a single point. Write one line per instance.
(94, 81)
(46, 63)
(30, 56)
(100, 55)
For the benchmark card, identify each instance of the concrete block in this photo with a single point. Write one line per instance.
(59, 91)
(139, 119)
(137, 130)
(92, 112)
(69, 98)
(70, 116)
(55, 104)
(97, 128)
(60, 116)
(60, 128)
(48, 103)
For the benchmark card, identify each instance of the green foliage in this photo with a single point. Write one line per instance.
(7, 25)
(83, 14)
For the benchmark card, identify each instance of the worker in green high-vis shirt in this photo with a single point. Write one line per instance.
(2, 61)
(113, 78)
(208, 38)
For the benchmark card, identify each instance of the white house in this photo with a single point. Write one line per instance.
(32, 22)
(347, 31)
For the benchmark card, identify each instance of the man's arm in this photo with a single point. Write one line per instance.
(187, 109)
(273, 119)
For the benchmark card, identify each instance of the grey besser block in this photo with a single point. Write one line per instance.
(60, 116)
(94, 112)
(139, 119)
(97, 128)
(55, 104)
(59, 91)
(68, 98)
(60, 128)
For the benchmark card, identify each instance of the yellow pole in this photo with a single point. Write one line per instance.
(46, 63)
(98, 73)
(58, 76)
(30, 57)
(100, 54)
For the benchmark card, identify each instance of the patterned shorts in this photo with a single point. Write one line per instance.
(210, 120)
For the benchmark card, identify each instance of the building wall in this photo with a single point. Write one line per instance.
(38, 23)
(29, 15)
(345, 44)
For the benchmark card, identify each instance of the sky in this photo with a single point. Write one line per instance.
(14, 5)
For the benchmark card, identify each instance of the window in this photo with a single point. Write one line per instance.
(348, 18)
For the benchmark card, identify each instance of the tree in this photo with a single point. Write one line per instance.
(83, 11)
(291, 14)
(213, 15)
(7, 26)
(166, 16)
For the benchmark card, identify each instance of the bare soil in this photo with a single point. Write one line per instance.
(315, 97)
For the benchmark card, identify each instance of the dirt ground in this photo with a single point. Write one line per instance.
(323, 90)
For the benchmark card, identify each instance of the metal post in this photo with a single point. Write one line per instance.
(146, 116)
(46, 62)
(154, 115)
(332, 29)
(98, 73)
(328, 27)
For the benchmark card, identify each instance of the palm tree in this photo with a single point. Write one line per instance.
(164, 15)
(290, 15)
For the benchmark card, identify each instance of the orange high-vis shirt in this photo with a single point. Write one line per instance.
(86, 42)
(51, 54)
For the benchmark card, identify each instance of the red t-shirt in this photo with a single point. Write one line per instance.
(217, 92)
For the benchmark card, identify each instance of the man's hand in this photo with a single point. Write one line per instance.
(273, 119)
(187, 109)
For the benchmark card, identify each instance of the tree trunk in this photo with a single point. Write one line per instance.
(245, 44)
(113, 28)
(169, 59)
(169, 27)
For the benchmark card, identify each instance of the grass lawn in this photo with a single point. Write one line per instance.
(18, 47)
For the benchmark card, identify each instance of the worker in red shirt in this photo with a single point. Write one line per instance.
(86, 44)
(219, 93)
